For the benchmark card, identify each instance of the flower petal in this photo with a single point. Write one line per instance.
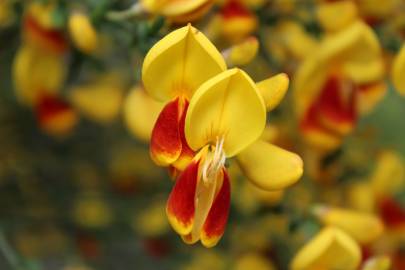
(270, 167)
(217, 218)
(398, 71)
(368, 96)
(227, 105)
(363, 227)
(35, 71)
(336, 105)
(273, 90)
(329, 249)
(179, 63)
(173, 7)
(187, 153)
(141, 113)
(55, 116)
(244, 52)
(99, 100)
(165, 145)
(180, 208)
(334, 16)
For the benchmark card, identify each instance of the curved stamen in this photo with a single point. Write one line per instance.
(214, 161)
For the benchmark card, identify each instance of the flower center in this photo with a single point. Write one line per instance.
(214, 161)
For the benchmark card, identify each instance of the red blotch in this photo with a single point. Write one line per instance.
(217, 218)
(234, 9)
(181, 200)
(187, 153)
(49, 38)
(391, 212)
(50, 106)
(166, 137)
(333, 105)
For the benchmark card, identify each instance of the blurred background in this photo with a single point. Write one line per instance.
(78, 190)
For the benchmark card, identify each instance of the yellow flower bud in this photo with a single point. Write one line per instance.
(389, 174)
(243, 53)
(331, 248)
(99, 100)
(334, 16)
(253, 261)
(83, 34)
(363, 227)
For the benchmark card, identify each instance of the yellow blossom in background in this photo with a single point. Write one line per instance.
(253, 261)
(151, 221)
(7, 14)
(363, 227)
(36, 72)
(388, 175)
(180, 10)
(398, 69)
(328, 85)
(331, 248)
(91, 211)
(100, 99)
(335, 16)
(82, 32)
(242, 53)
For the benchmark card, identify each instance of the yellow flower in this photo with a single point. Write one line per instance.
(182, 61)
(91, 211)
(236, 21)
(39, 29)
(388, 175)
(36, 72)
(335, 16)
(178, 11)
(331, 248)
(398, 69)
(99, 100)
(225, 117)
(242, 53)
(82, 32)
(363, 227)
(253, 261)
(346, 66)
(7, 14)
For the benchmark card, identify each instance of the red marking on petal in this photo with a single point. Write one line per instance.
(234, 9)
(391, 212)
(166, 145)
(217, 218)
(51, 106)
(181, 203)
(187, 154)
(55, 115)
(334, 106)
(331, 112)
(47, 38)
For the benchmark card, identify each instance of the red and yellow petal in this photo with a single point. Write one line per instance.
(166, 146)
(237, 21)
(55, 116)
(336, 106)
(317, 135)
(187, 154)
(47, 39)
(217, 218)
(180, 207)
